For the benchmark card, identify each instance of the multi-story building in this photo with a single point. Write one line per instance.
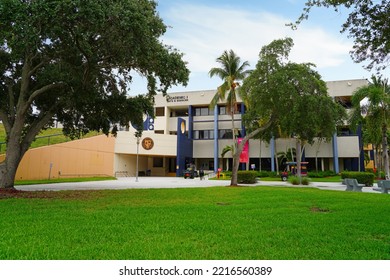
(185, 130)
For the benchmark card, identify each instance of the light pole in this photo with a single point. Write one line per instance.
(298, 156)
(136, 168)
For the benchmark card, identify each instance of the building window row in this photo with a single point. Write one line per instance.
(203, 134)
(209, 134)
(206, 111)
(227, 133)
(203, 111)
(198, 111)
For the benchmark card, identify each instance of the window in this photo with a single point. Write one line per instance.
(179, 113)
(203, 134)
(158, 162)
(222, 110)
(227, 133)
(239, 108)
(196, 134)
(159, 132)
(203, 111)
(160, 112)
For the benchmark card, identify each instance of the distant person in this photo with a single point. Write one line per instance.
(201, 173)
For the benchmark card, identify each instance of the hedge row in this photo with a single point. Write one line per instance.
(264, 174)
(366, 178)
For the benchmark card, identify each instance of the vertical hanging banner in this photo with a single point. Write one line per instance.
(244, 156)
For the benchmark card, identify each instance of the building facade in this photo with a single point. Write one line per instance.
(186, 131)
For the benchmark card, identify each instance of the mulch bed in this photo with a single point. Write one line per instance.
(13, 193)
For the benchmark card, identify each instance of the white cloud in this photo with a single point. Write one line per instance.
(203, 33)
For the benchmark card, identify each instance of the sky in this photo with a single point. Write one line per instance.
(203, 29)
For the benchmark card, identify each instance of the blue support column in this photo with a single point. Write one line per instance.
(190, 122)
(243, 132)
(184, 150)
(273, 154)
(216, 136)
(335, 154)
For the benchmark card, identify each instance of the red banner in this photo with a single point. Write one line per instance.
(244, 156)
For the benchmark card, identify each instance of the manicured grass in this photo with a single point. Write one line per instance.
(196, 223)
(63, 180)
(333, 179)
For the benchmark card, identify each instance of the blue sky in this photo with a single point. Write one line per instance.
(203, 29)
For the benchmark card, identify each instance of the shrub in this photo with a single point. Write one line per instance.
(295, 180)
(315, 174)
(227, 173)
(263, 174)
(305, 181)
(366, 178)
(246, 177)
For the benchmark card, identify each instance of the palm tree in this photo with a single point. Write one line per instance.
(373, 102)
(287, 156)
(227, 149)
(231, 72)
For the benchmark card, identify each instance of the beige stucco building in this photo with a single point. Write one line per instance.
(185, 130)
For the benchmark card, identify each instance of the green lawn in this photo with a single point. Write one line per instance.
(196, 223)
(46, 137)
(63, 180)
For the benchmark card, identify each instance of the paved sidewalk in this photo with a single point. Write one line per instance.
(169, 182)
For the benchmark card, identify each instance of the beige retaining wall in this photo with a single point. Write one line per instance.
(86, 157)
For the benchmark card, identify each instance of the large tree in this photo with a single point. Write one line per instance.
(287, 96)
(74, 60)
(367, 24)
(371, 106)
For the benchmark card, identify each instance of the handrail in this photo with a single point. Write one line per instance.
(38, 137)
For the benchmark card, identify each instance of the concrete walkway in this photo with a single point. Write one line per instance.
(169, 182)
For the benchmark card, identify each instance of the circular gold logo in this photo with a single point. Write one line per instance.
(147, 143)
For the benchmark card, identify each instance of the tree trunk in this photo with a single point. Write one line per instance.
(234, 137)
(240, 147)
(317, 151)
(385, 152)
(236, 164)
(260, 156)
(9, 167)
(298, 155)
